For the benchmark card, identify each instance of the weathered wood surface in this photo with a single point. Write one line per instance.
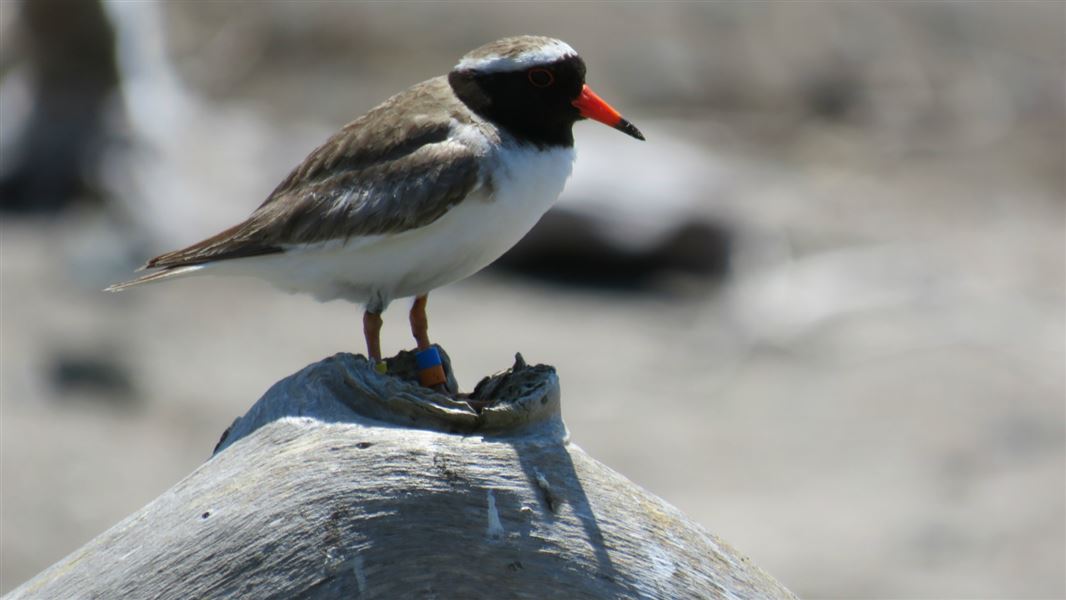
(343, 483)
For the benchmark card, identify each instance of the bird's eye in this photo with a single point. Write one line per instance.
(540, 77)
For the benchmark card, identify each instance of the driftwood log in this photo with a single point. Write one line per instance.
(344, 483)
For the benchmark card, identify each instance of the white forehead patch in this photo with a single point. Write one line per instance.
(546, 53)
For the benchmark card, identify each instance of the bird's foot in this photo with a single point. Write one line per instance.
(417, 366)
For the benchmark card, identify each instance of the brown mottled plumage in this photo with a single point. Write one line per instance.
(392, 164)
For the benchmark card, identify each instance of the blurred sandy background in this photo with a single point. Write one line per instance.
(821, 310)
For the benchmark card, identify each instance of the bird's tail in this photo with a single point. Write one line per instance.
(165, 274)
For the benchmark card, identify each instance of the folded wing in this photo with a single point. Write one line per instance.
(395, 169)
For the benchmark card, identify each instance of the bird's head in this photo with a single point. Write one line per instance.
(534, 87)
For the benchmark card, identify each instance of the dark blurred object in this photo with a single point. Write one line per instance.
(70, 50)
(566, 247)
(834, 95)
(103, 378)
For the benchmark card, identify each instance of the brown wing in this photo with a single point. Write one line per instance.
(392, 170)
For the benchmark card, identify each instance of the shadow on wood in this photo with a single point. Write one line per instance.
(344, 483)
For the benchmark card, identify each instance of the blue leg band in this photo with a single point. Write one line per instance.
(428, 358)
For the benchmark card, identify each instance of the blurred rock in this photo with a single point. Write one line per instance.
(566, 248)
(82, 375)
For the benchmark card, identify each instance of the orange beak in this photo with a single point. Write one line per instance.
(593, 107)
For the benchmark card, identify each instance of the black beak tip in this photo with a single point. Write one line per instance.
(627, 128)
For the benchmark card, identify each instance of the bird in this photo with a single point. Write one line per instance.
(425, 189)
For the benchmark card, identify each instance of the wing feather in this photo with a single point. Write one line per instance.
(396, 168)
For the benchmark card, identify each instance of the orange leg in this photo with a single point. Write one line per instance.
(430, 376)
(419, 322)
(372, 332)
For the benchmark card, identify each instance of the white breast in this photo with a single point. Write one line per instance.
(521, 185)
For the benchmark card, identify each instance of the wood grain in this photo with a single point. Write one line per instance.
(343, 483)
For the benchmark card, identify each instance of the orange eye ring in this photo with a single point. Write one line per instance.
(540, 77)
